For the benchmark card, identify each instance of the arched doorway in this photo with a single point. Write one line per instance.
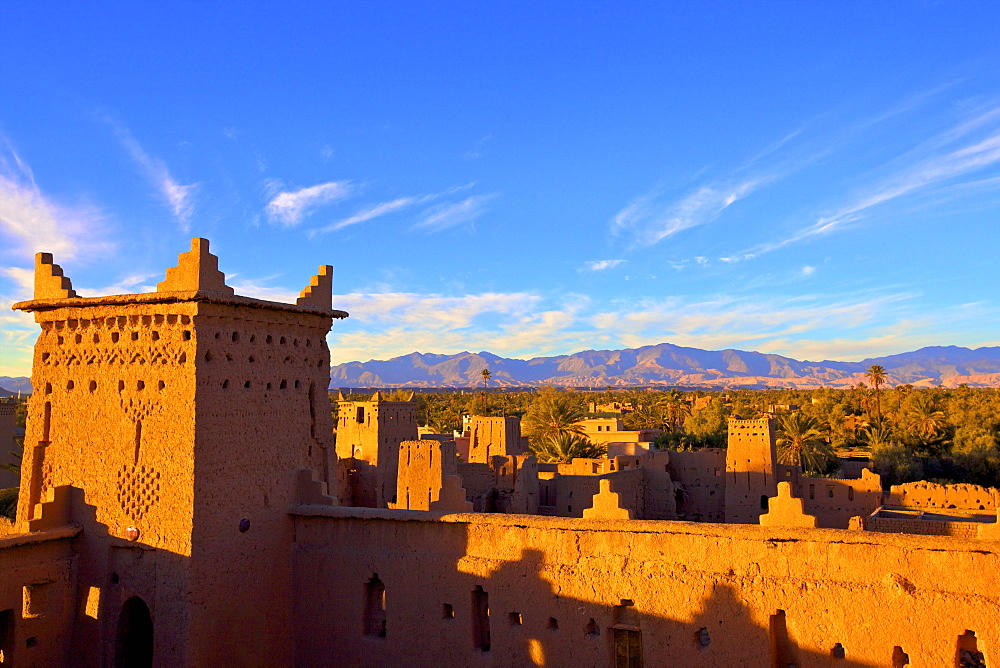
(134, 646)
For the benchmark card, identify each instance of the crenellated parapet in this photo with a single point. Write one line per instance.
(319, 292)
(50, 283)
(196, 271)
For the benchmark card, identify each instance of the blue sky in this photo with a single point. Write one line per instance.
(814, 179)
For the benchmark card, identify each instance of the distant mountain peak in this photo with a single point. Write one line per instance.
(669, 365)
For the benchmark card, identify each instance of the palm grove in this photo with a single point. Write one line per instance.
(938, 434)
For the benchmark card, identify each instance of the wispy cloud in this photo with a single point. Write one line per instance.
(127, 285)
(368, 213)
(513, 324)
(652, 217)
(290, 207)
(601, 265)
(179, 197)
(262, 288)
(373, 211)
(937, 162)
(444, 216)
(528, 324)
(36, 222)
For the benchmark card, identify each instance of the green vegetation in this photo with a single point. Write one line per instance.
(8, 503)
(563, 447)
(801, 443)
(942, 435)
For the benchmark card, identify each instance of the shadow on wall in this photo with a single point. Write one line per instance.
(100, 607)
(419, 591)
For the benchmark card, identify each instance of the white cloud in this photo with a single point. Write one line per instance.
(128, 285)
(933, 164)
(527, 325)
(808, 271)
(512, 324)
(39, 224)
(179, 197)
(259, 288)
(443, 216)
(650, 219)
(368, 213)
(384, 208)
(601, 265)
(289, 207)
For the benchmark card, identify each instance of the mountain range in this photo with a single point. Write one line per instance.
(663, 364)
(669, 365)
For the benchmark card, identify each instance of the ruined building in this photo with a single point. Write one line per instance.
(182, 505)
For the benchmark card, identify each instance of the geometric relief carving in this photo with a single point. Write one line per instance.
(138, 490)
(139, 409)
(164, 354)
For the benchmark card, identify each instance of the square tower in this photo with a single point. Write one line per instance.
(368, 438)
(180, 417)
(750, 469)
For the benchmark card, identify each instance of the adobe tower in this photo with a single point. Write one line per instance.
(751, 464)
(368, 437)
(179, 417)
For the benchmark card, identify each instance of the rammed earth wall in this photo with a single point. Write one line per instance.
(562, 591)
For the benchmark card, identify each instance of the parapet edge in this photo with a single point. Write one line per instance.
(173, 298)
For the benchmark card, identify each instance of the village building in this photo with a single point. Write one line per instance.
(602, 431)
(9, 434)
(183, 504)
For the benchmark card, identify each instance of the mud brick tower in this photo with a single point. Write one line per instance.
(751, 462)
(177, 417)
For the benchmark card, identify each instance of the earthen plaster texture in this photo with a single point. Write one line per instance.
(179, 460)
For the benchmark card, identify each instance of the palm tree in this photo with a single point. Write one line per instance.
(552, 413)
(564, 447)
(925, 419)
(801, 443)
(902, 391)
(485, 373)
(878, 437)
(877, 376)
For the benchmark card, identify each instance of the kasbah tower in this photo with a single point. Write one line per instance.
(181, 504)
(178, 416)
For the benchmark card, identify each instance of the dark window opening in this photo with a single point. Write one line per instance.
(969, 655)
(781, 647)
(7, 637)
(553, 624)
(838, 652)
(46, 420)
(592, 629)
(480, 619)
(900, 659)
(374, 615)
(514, 618)
(447, 611)
(134, 643)
(763, 501)
(360, 416)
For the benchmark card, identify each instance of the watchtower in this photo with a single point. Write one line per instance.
(180, 417)
(750, 469)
